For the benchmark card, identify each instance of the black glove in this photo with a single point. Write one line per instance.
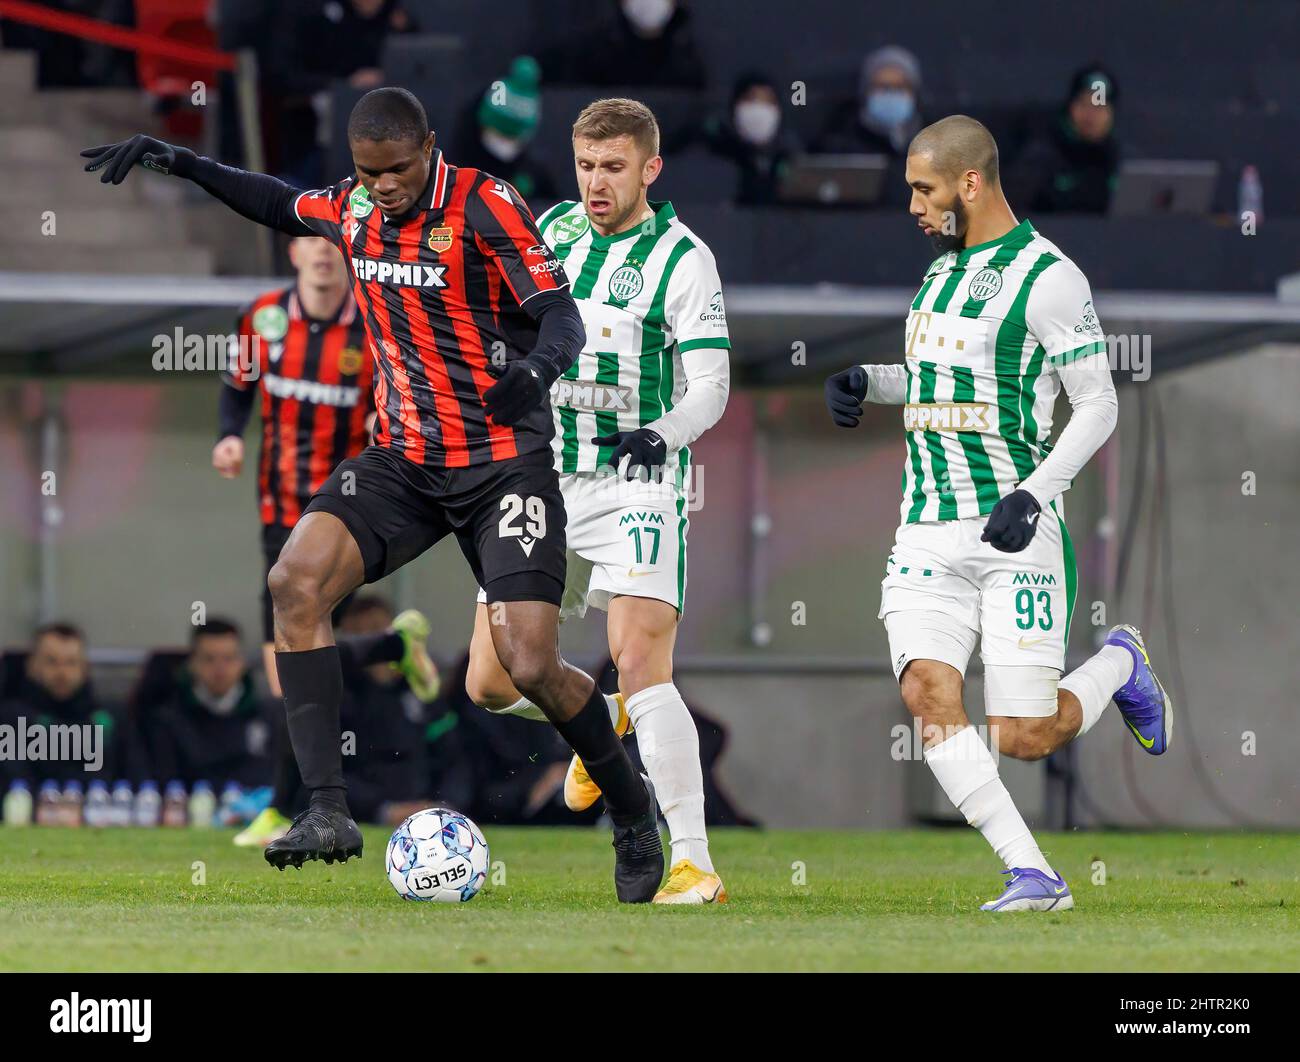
(845, 393)
(519, 389)
(117, 159)
(645, 449)
(1012, 522)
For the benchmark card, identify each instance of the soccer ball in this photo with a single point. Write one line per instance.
(437, 854)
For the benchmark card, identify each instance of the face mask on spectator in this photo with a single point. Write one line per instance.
(888, 107)
(507, 149)
(648, 16)
(756, 121)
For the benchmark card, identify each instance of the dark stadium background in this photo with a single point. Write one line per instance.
(797, 518)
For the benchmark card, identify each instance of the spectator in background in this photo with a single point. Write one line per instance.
(212, 727)
(496, 131)
(644, 43)
(56, 691)
(752, 135)
(387, 768)
(1071, 166)
(882, 119)
(309, 46)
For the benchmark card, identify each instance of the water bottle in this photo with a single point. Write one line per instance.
(229, 815)
(18, 805)
(203, 805)
(123, 801)
(174, 804)
(148, 805)
(72, 801)
(49, 804)
(1250, 194)
(99, 805)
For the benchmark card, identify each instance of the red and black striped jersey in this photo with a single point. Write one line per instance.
(442, 292)
(316, 381)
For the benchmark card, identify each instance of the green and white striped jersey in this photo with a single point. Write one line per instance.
(646, 295)
(984, 337)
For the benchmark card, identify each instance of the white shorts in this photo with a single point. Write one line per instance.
(624, 538)
(943, 588)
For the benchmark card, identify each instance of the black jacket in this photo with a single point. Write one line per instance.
(34, 705)
(186, 741)
(1059, 173)
(613, 54)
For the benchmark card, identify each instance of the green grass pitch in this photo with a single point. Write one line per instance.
(84, 900)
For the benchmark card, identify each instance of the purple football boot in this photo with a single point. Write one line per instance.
(1142, 701)
(1028, 889)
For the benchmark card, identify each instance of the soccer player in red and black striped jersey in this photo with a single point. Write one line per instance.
(471, 319)
(303, 350)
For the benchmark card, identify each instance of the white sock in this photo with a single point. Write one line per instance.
(968, 773)
(612, 704)
(1095, 681)
(670, 750)
(526, 709)
(522, 707)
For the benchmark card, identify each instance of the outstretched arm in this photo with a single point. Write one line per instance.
(257, 196)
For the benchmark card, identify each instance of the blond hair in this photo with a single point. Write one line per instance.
(605, 119)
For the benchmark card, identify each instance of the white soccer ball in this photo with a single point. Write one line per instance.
(437, 854)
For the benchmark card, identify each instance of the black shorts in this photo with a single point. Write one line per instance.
(274, 536)
(508, 517)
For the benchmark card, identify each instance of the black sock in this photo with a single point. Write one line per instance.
(313, 687)
(362, 650)
(288, 782)
(591, 735)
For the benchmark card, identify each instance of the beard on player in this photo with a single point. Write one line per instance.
(943, 241)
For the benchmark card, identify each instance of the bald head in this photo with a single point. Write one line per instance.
(952, 169)
(957, 144)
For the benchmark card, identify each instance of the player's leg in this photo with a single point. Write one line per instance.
(626, 538)
(510, 521)
(369, 518)
(272, 822)
(642, 633)
(319, 566)
(527, 644)
(931, 615)
(968, 775)
(487, 683)
(1027, 606)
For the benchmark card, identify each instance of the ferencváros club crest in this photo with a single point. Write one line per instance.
(987, 283)
(626, 283)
